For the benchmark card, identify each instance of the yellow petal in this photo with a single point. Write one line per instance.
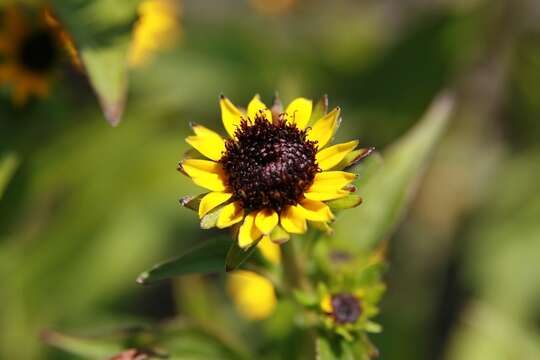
(231, 214)
(315, 210)
(331, 181)
(323, 130)
(326, 304)
(293, 221)
(299, 112)
(198, 167)
(205, 173)
(266, 220)
(269, 250)
(207, 142)
(257, 107)
(211, 200)
(253, 294)
(230, 115)
(333, 155)
(249, 233)
(325, 196)
(210, 182)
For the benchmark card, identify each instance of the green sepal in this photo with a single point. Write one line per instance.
(209, 220)
(192, 202)
(279, 235)
(347, 202)
(319, 110)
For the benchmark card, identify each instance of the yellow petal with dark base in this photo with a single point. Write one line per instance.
(198, 167)
(211, 200)
(315, 210)
(230, 115)
(257, 107)
(299, 112)
(249, 233)
(230, 215)
(205, 173)
(266, 220)
(207, 142)
(323, 130)
(333, 155)
(293, 221)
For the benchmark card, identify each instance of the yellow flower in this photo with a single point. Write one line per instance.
(253, 295)
(158, 27)
(274, 173)
(30, 53)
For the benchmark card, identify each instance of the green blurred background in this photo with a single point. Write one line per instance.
(90, 206)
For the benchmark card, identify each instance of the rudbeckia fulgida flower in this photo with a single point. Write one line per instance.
(275, 171)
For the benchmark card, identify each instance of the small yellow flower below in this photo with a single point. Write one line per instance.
(253, 295)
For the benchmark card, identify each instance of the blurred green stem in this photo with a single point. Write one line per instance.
(292, 269)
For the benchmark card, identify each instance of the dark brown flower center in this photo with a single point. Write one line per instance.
(346, 308)
(38, 51)
(269, 165)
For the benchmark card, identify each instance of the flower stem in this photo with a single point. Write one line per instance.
(292, 269)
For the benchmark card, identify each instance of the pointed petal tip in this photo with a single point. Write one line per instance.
(113, 112)
(181, 169)
(141, 279)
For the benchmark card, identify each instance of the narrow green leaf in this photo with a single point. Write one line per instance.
(386, 191)
(8, 164)
(107, 72)
(207, 257)
(84, 347)
(236, 256)
(102, 35)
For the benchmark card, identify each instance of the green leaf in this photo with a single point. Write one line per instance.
(207, 257)
(8, 164)
(102, 36)
(107, 72)
(236, 256)
(387, 190)
(84, 347)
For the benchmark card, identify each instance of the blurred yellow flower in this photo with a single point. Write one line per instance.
(253, 294)
(30, 54)
(158, 27)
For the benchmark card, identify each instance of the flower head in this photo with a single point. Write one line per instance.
(31, 52)
(274, 173)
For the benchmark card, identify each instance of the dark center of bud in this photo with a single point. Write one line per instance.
(346, 308)
(38, 51)
(269, 165)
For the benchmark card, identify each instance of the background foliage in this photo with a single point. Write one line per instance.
(84, 207)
